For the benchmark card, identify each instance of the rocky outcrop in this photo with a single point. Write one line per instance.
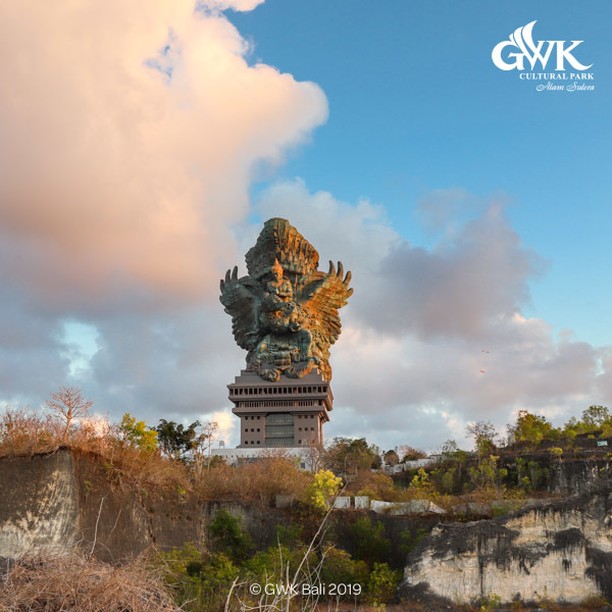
(560, 551)
(52, 503)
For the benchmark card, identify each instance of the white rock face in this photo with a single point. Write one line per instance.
(561, 551)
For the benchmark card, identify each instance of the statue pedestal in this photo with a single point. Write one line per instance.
(288, 413)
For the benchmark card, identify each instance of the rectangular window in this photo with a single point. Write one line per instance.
(279, 429)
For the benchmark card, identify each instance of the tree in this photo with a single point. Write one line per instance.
(449, 475)
(421, 482)
(175, 439)
(409, 453)
(68, 404)
(451, 452)
(229, 536)
(138, 433)
(367, 540)
(483, 433)
(595, 417)
(202, 444)
(532, 428)
(347, 456)
(325, 486)
(383, 583)
(487, 474)
(391, 457)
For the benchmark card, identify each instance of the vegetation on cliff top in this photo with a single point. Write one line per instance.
(357, 552)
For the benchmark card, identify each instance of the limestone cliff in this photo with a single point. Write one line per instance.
(52, 503)
(560, 551)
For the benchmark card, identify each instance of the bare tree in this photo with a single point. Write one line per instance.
(68, 404)
(314, 456)
(202, 444)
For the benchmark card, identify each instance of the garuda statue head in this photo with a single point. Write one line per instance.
(285, 311)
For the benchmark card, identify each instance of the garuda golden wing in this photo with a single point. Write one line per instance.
(322, 295)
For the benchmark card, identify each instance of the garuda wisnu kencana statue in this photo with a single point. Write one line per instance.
(285, 312)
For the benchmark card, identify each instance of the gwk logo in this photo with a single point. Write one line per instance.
(542, 51)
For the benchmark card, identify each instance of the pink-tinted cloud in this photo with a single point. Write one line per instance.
(129, 134)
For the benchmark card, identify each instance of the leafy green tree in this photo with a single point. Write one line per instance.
(538, 475)
(137, 433)
(175, 439)
(339, 567)
(383, 583)
(282, 565)
(422, 483)
(367, 540)
(200, 581)
(347, 456)
(596, 417)
(487, 474)
(532, 428)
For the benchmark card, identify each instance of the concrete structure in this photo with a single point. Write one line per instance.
(342, 502)
(288, 413)
(304, 457)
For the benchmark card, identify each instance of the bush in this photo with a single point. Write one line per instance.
(199, 581)
(259, 481)
(339, 567)
(229, 537)
(367, 541)
(383, 583)
(325, 486)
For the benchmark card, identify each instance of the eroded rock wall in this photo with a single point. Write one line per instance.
(51, 504)
(38, 505)
(561, 551)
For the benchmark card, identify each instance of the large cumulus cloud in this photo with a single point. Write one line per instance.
(130, 131)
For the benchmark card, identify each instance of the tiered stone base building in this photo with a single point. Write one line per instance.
(289, 413)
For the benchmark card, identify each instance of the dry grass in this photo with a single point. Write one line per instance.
(144, 469)
(27, 433)
(259, 481)
(77, 584)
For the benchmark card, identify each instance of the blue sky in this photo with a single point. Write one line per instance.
(416, 104)
(473, 209)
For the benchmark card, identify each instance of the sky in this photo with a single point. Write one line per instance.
(143, 145)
